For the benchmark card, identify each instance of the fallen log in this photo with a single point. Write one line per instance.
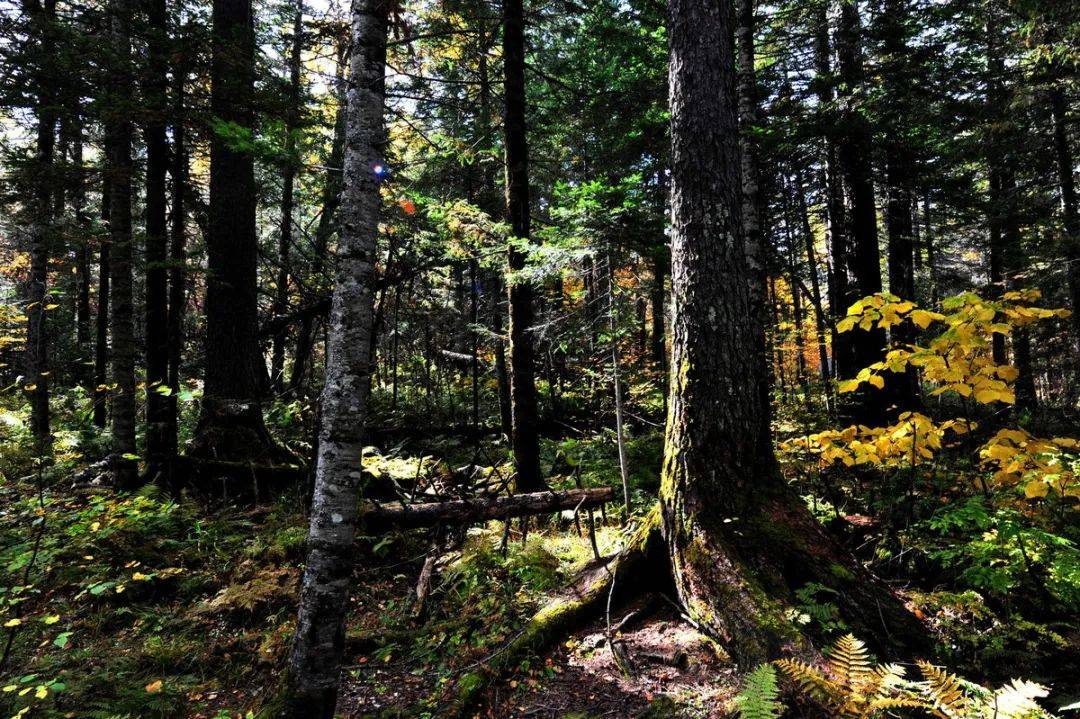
(382, 517)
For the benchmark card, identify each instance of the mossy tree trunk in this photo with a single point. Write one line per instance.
(739, 541)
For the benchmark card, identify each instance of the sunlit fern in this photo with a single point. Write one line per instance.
(952, 698)
(852, 688)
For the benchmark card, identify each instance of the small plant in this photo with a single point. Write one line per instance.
(850, 687)
(759, 698)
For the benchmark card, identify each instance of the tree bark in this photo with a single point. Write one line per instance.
(854, 154)
(1067, 193)
(288, 180)
(315, 663)
(83, 374)
(379, 518)
(740, 542)
(36, 382)
(837, 241)
(757, 253)
(101, 328)
(815, 283)
(523, 403)
(177, 256)
(155, 84)
(231, 422)
(331, 198)
(902, 388)
(118, 129)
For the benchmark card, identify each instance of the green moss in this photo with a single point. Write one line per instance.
(841, 572)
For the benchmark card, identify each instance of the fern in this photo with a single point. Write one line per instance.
(849, 661)
(945, 693)
(810, 681)
(759, 696)
(1016, 700)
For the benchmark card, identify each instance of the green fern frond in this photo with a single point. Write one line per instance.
(759, 696)
(945, 692)
(811, 681)
(1016, 700)
(849, 661)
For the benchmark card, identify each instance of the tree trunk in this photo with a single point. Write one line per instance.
(838, 242)
(158, 425)
(83, 373)
(815, 285)
(315, 663)
(331, 198)
(101, 329)
(757, 253)
(177, 256)
(231, 423)
(382, 517)
(36, 382)
(854, 153)
(288, 180)
(118, 132)
(1067, 190)
(740, 542)
(523, 405)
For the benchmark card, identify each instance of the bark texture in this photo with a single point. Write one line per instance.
(231, 423)
(740, 543)
(854, 154)
(118, 129)
(523, 404)
(158, 426)
(315, 662)
(36, 382)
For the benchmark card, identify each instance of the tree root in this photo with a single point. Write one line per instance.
(587, 599)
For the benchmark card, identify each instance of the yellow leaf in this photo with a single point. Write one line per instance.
(41, 692)
(923, 318)
(877, 381)
(1034, 490)
(153, 687)
(12, 623)
(849, 385)
(10, 688)
(95, 526)
(51, 619)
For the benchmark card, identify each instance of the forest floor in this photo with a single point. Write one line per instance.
(140, 606)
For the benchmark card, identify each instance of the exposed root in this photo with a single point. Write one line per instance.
(587, 599)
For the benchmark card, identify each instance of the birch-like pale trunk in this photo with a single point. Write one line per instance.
(320, 630)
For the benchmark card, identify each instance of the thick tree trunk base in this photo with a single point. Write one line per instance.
(736, 584)
(738, 579)
(233, 431)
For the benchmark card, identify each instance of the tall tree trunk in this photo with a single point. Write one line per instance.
(854, 153)
(997, 211)
(101, 322)
(118, 130)
(740, 542)
(177, 255)
(315, 663)
(158, 443)
(815, 283)
(288, 180)
(84, 363)
(36, 382)
(837, 240)
(331, 198)
(1067, 191)
(231, 422)
(523, 405)
(753, 234)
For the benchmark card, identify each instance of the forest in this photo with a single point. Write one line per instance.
(539, 359)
